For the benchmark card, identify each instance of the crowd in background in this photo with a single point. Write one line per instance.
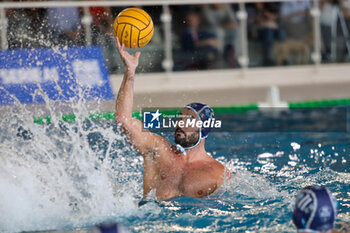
(204, 36)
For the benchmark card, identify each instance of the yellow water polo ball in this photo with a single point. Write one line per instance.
(133, 27)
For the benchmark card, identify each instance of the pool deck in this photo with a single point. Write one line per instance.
(239, 87)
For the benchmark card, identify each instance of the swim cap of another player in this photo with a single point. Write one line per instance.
(111, 228)
(315, 209)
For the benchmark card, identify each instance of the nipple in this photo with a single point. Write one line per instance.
(163, 176)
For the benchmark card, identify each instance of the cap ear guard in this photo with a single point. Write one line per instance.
(204, 113)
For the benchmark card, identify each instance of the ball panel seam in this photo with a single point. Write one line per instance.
(148, 19)
(121, 36)
(125, 16)
(147, 34)
(130, 40)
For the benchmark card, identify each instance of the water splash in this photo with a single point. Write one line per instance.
(63, 175)
(55, 176)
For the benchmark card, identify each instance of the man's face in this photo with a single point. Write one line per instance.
(193, 20)
(187, 136)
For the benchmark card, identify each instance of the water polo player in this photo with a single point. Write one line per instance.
(316, 211)
(185, 169)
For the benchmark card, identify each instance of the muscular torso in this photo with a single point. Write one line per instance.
(176, 176)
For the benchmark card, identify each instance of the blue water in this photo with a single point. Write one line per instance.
(260, 196)
(75, 175)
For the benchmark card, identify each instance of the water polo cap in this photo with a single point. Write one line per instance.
(204, 113)
(315, 209)
(111, 228)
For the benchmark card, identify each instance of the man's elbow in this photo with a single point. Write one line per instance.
(121, 119)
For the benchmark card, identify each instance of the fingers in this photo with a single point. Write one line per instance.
(121, 48)
(116, 40)
(117, 43)
(137, 55)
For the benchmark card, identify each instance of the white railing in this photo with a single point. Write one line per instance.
(41, 4)
(165, 18)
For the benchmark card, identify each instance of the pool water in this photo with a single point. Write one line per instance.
(75, 175)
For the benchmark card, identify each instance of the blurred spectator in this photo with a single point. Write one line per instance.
(102, 28)
(222, 22)
(268, 28)
(334, 25)
(201, 46)
(65, 25)
(295, 18)
(328, 19)
(345, 6)
(344, 12)
(102, 19)
(18, 24)
(25, 28)
(296, 23)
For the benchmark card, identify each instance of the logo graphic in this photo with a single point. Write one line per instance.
(170, 121)
(65, 74)
(151, 120)
(325, 213)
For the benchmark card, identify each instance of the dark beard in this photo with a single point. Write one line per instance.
(187, 141)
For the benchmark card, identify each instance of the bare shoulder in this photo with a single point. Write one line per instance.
(219, 169)
(160, 143)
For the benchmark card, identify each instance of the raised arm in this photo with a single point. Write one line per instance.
(141, 139)
(125, 96)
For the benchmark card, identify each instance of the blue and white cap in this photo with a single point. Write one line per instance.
(204, 113)
(315, 209)
(111, 228)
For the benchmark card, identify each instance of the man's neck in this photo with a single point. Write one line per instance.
(196, 153)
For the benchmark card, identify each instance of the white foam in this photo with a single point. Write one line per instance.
(295, 146)
(270, 155)
(56, 180)
(266, 155)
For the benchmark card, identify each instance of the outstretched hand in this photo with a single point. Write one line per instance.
(130, 61)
